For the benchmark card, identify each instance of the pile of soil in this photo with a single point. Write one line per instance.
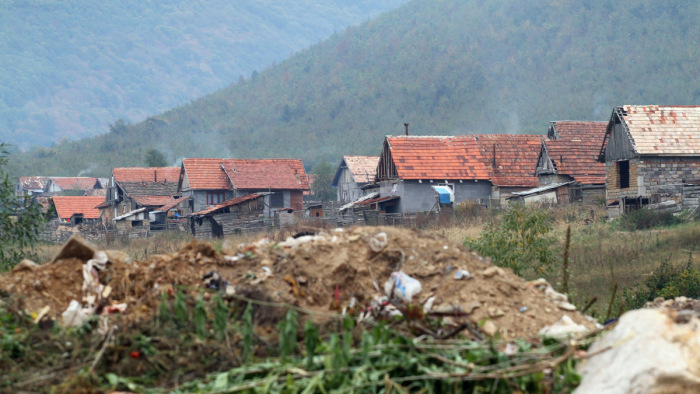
(325, 273)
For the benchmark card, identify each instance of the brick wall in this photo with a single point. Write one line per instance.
(612, 182)
(660, 176)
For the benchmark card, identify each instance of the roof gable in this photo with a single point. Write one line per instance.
(67, 206)
(362, 168)
(205, 174)
(662, 130)
(575, 150)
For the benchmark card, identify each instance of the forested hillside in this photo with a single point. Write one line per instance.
(446, 67)
(69, 68)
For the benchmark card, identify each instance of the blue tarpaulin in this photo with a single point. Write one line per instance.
(446, 194)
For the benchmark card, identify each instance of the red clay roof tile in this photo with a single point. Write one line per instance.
(511, 158)
(262, 174)
(67, 206)
(427, 157)
(75, 183)
(146, 174)
(664, 130)
(575, 152)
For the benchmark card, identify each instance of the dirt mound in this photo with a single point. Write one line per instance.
(328, 272)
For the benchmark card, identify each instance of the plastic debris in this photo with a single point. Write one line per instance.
(378, 242)
(401, 286)
(74, 315)
(463, 274)
(523, 309)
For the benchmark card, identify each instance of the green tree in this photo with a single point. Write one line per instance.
(155, 158)
(322, 186)
(520, 240)
(21, 218)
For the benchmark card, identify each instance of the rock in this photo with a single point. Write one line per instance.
(496, 312)
(489, 328)
(26, 265)
(491, 271)
(648, 353)
(564, 328)
(566, 306)
(76, 247)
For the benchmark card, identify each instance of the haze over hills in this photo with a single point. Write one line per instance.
(70, 68)
(446, 67)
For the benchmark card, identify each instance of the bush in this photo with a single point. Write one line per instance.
(668, 282)
(642, 219)
(520, 240)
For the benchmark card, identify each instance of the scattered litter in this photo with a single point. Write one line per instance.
(463, 274)
(511, 349)
(378, 242)
(401, 286)
(74, 315)
(523, 309)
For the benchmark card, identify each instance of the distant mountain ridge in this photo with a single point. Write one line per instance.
(445, 67)
(69, 68)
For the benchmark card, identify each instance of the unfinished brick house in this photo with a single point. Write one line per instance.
(568, 162)
(651, 153)
(210, 182)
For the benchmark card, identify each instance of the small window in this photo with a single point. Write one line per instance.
(623, 168)
(277, 200)
(215, 198)
(136, 223)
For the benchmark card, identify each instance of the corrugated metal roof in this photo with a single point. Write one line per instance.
(664, 130)
(541, 189)
(67, 206)
(126, 215)
(173, 204)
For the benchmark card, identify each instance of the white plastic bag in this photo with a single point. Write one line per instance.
(402, 286)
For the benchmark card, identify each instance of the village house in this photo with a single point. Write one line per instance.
(134, 192)
(70, 186)
(409, 167)
(568, 166)
(247, 212)
(30, 185)
(651, 154)
(210, 182)
(354, 173)
(74, 210)
(418, 173)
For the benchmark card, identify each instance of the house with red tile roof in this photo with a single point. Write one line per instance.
(353, 173)
(210, 182)
(410, 166)
(483, 168)
(74, 186)
(651, 155)
(570, 156)
(133, 188)
(75, 210)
